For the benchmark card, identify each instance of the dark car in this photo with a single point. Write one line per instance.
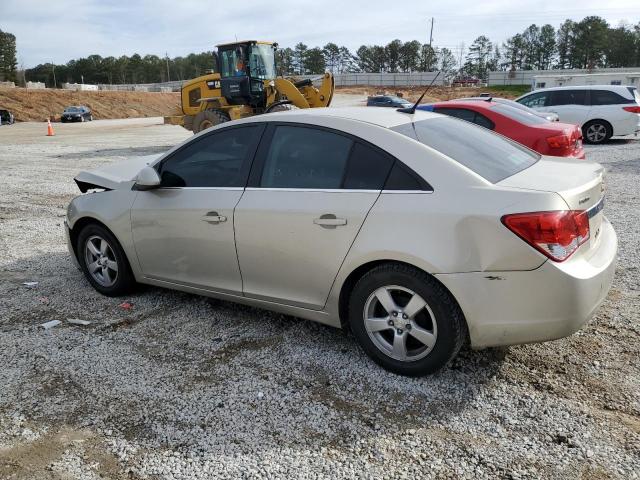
(387, 101)
(6, 117)
(76, 114)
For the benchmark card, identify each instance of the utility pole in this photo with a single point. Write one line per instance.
(53, 68)
(430, 60)
(431, 34)
(166, 55)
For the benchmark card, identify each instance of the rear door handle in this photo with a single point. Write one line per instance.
(329, 220)
(213, 217)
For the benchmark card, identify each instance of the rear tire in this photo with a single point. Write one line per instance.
(596, 132)
(405, 320)
(208, 119)
(103, 261)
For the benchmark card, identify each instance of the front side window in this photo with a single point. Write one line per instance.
(489, 155)
(220, 159)
(568, 97)
(233, 62)
(302, 157)
(535, 100)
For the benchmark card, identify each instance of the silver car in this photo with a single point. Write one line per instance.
(419, 232)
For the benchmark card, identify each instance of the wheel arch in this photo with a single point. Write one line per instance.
(80, 224)
(350, 281)
(593, 120)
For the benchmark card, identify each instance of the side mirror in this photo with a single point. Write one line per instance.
(147, 179)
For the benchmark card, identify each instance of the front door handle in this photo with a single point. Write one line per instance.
(213, 217)
(329, 220)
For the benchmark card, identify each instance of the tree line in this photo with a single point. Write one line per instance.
(590, 43)
(8, 62)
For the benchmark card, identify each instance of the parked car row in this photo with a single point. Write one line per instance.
(419, 232)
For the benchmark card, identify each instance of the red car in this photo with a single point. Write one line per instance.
(545, 137)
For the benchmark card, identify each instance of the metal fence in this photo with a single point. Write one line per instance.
(384, 79)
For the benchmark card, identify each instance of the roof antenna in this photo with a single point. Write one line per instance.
(412, 109)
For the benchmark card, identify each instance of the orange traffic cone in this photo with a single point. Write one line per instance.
(49, 128)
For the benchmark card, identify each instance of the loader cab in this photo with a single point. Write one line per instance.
(244, 67)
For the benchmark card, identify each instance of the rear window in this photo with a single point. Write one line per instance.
(521, 116)
(486, 153)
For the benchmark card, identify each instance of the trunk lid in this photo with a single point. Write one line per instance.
(580, 183)
(114, 175)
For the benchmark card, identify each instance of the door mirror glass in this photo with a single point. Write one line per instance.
(147, 179)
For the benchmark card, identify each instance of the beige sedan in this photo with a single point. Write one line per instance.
(418, 232)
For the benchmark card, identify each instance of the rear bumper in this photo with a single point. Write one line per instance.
(550, 302)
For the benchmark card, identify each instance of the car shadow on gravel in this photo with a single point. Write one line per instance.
(183, 363)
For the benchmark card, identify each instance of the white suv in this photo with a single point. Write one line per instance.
(601, 110)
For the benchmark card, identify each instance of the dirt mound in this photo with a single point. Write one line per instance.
(38, 105)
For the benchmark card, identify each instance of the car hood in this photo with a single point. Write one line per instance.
(115, 175)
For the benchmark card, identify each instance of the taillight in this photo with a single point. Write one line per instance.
(559, 141)
(556, 234)
(632, 109)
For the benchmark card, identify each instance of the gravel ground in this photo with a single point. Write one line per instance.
(182, 387)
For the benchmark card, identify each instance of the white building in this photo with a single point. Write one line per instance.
(581, 79)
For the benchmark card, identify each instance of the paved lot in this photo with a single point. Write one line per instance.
(186, 387)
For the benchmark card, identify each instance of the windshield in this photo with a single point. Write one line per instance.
(262, 62)
(489, 155)
(521, 116)
(72, 109)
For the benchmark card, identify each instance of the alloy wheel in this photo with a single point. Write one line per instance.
(400, 323)
(101, 261)
(596, 132)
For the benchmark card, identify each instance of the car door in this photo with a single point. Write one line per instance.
(183, 231)
(608, 105)
(570, 105)
(309, 193)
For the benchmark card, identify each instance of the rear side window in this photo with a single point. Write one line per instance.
(403, 178)
(487, 154)
(220, 159)
(634, 93)
(534, 100)
(368, 168)
(607, 97)
(521, 116)
(467, 115)
(568, 97)
(301, 157)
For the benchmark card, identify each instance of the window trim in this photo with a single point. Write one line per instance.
(247, 164)
(257, 167)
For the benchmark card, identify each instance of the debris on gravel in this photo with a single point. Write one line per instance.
(185, 387)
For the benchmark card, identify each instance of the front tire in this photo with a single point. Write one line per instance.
(596, 132)
(103, 261)
(208, 119)
(405, 320)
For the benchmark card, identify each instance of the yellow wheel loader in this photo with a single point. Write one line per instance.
(246, 84)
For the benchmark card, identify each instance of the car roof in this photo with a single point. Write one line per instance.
(615, 88)
(383, 117)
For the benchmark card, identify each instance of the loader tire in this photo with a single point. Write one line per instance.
(208, 119)
(188, 122)
(283, 107)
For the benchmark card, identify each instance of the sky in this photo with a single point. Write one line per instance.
(61, 30)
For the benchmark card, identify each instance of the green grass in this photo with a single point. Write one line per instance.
(511, 90)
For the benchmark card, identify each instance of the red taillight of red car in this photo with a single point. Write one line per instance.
(559, 141)
(632, 109)
(556, 234)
